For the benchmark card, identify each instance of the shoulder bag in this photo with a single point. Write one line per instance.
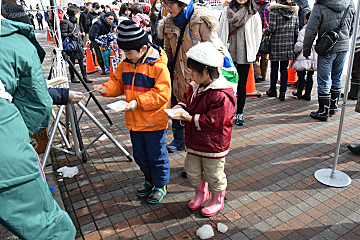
(180, 40)
(70, 45)
(327, 41)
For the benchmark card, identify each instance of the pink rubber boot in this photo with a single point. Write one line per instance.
(216, 204)
(202, 194)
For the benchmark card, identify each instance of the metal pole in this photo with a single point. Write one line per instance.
(51, 139)
(333, 177)
(346, 93)
(117, 144)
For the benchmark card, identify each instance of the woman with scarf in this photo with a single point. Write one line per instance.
(241, 32)
(284, 30)
(201, 26)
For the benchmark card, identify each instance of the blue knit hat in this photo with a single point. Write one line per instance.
(131, 36)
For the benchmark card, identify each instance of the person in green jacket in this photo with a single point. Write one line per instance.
(27, 207)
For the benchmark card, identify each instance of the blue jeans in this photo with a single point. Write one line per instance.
(330, 65)
(150, 153)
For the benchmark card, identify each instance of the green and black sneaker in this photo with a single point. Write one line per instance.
(157, 194)
(145, 189)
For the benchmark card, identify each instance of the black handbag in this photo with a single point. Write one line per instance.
(265, 45)
(328, 39)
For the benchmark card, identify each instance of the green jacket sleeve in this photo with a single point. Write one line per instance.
(31, 96)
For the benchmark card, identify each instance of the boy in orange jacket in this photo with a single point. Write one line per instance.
(145, 80)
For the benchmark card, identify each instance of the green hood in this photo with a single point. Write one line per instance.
(22, 75)
(9, 27)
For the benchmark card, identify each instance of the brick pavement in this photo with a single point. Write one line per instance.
(272, 193)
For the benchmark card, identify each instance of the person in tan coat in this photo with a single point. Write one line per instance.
(201, 26)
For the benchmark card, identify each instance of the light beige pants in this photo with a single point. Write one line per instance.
(86, 37)
(211, 170)
(260, 66)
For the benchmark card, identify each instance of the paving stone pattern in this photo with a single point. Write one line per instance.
(272, 193)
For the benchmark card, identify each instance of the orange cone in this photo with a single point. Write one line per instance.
(54, 42)
(48, 37)
(90, 68)
(292, 76)
(251, 91)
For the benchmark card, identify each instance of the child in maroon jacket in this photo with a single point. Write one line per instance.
(210, 102)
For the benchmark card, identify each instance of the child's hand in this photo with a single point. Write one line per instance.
(99, 88)
(131, 106)
(183, 117)
(177, 106)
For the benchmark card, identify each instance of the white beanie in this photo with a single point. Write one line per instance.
(206, 53)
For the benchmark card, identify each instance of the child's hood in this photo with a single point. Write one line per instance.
(154, 54)
(221, 84)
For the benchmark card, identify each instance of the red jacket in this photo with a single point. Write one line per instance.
(212, 110)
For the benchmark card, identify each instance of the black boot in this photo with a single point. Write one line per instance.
(355, 78)
(271, 93)
(354, 89)
(300, 88)
(308, 88)
(101, 64)
(72, 76)
(179, 140)
(335, 94)
(83, 73)
(157, 194)
(145, 190)
(282, 96)
(354, 148)
(324, 104)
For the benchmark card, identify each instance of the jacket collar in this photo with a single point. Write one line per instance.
(279, 6)
(153, 54)
(220, 83)
(200, 15)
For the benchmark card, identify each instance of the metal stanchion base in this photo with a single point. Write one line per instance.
(339, 179)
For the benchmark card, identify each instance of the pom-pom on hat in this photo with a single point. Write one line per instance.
(206, 53)
(187, 2)
(146, 9)
(131, 36)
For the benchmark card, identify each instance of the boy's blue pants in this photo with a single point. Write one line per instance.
(150, 153)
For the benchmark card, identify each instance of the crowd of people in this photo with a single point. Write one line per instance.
(169, 55)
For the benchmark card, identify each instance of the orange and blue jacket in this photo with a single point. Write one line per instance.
(149, 83)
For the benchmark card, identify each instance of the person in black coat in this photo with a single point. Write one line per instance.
(84, 28)
(39, 18)
(31, 17)
(100, 27)
(70, 28)
(94, 12)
